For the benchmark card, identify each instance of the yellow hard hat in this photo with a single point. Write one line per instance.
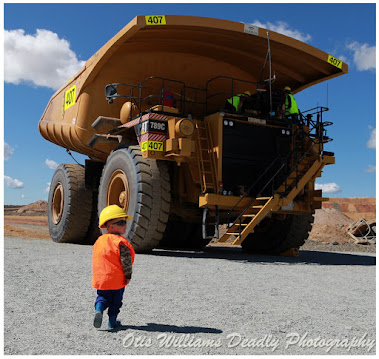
(287, 88)
(111, 212)
(247, 93)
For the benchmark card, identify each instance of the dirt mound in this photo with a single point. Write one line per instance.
(330, 226)
(39, 207)
(354, 207)
(331, 216)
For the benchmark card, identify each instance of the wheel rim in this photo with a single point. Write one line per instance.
(118, 190)
(57, 204)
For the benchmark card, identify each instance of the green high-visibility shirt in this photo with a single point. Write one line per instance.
(291, 105)
(235, 101)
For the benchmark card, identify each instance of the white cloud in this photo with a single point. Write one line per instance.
(8, 151)
(51, 164)
(283, 28)
(371, 143)
(371, 168)
(364, 56)
(47, 189)
(328, 187)
(343, 58)
(42, 59)
(13, 183)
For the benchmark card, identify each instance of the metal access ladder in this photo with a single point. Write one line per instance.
(248, 219)
(206, 160)
(260, 207)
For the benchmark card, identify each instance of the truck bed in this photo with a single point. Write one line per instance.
(184, 48)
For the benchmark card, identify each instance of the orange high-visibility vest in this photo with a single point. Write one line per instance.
(107, 272)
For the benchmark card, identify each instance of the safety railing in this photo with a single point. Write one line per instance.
(206, 100)
(147, 94)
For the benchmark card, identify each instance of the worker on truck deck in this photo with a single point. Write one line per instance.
(168, 99)
(236, 103)
(290, 105)
(112, 260)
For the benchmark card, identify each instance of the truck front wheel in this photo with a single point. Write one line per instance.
(69, 205)
(141, 187)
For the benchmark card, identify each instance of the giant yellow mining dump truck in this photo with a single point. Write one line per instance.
(150, 109)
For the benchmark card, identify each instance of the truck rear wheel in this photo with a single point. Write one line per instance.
(141, 187)
(275, 236)
(69, 205)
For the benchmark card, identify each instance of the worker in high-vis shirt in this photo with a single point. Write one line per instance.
(112, 259)
(236, 103)
(290, 105)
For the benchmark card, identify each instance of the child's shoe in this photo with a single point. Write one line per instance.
(113, 323)
(98, 315)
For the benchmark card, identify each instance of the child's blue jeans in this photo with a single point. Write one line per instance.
(111, 299)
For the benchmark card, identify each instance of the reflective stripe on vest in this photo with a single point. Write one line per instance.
(293, 109)
(107, 272)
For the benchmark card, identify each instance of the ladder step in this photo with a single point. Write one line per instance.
(236, 225)
(249, 215)
(233, 233)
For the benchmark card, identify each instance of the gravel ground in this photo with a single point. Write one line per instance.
(339, 247)
(219, 301)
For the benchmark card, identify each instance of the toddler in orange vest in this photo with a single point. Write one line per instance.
(112, 260)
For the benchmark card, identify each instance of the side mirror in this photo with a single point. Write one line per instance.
(110, 90)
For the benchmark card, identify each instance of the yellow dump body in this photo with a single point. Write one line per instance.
(184, 48)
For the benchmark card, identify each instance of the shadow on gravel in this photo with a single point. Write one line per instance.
(306, 257)
(163, 328)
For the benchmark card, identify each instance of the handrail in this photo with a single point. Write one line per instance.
(254, 198)
(111, 92)
(233, 81)
(254, 184)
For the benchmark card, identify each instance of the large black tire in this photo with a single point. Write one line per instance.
(274, 236)
(141, 187)
(69, 205)
(183, 235)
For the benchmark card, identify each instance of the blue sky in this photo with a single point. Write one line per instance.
(37, 62)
